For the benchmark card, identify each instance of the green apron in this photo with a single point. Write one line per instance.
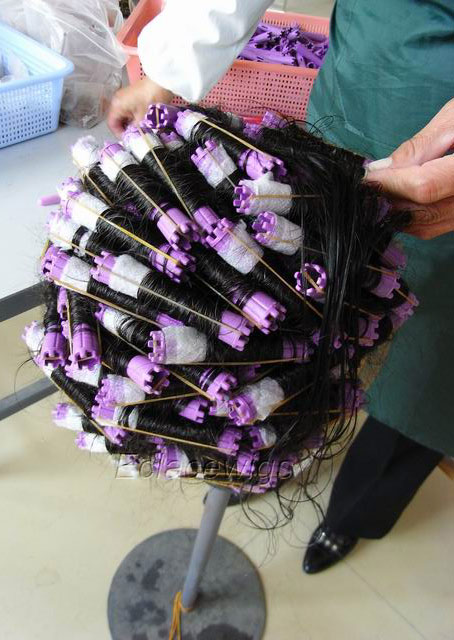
(389, 70)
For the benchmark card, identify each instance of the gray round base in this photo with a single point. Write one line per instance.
(230, 606)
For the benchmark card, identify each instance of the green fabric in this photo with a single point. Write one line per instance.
(390, 68)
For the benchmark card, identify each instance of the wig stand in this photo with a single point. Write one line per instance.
(211, 585)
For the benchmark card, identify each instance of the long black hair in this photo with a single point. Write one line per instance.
(254, 351)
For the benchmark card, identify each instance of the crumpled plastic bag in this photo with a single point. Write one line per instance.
(12, 68)
(84, 32)
(12, 12)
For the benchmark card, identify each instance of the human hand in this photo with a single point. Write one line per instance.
(130, 104)
(421, 178)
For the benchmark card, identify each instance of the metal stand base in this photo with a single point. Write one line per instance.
(230, 603)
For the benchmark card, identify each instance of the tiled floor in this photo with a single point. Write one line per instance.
(67, 524)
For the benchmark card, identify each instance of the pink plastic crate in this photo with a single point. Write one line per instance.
(248, 88)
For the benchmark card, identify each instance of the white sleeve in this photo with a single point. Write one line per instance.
(189, 46)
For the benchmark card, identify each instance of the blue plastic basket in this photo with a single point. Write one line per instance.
(30, 107)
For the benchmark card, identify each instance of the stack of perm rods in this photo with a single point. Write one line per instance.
(211, 288)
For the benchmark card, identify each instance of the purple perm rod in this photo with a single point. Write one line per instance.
(86, 352)
(54, 348)
(196, 409)
(312, 282)
(160, 115)
(229, 440)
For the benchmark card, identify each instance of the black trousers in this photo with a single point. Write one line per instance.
(379, 476)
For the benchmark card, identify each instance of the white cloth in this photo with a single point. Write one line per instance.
(189, 46)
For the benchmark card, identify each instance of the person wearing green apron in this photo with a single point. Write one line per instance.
(388, 72)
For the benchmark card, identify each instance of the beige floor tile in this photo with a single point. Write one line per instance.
(412, 568)
(335, 605)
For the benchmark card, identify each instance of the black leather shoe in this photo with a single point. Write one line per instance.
(325, 549)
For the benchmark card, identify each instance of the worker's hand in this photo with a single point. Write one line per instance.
(421, 177)
(130, 104)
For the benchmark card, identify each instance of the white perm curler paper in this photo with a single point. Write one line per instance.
(286, 237)
(85, 152)
(185, 125)
(140, 145)
(184, 344)
(241, 252)
(263, 186)
(126, 275)
(76, 273)
(265, 395)
(112, 319)
(86, 209)
(111, 166)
